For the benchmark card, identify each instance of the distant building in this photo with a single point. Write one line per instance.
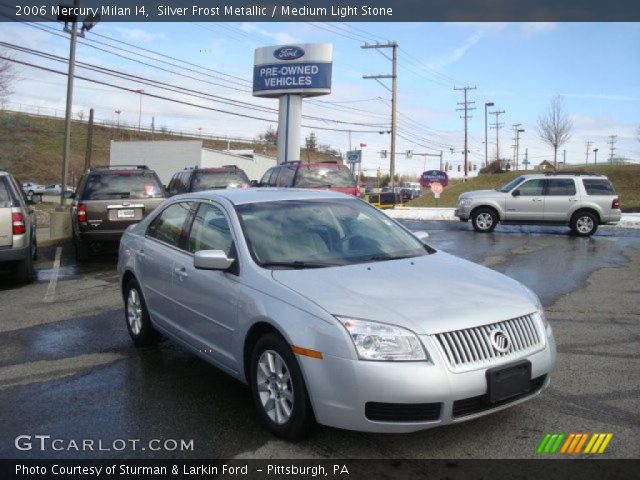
(545, 165)
(167, 157)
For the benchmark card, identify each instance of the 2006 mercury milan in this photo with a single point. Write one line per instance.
(304, 295)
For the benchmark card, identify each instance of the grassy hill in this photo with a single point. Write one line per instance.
(31, 146)
(625, 178)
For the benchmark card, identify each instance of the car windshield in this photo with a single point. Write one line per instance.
(510, 186)
(114, 185)
(324, 177)
(323, 233)
(211, 180)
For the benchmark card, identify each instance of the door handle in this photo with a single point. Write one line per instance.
(181, 272)
(141, 253)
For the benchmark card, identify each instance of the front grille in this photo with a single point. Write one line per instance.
(402, 412)
(469, 406)
(472, 348)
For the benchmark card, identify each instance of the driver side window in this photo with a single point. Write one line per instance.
(210, 230)
(531, 188)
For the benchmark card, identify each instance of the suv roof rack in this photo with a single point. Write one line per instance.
(109, 167)
(570, 172)
(290, 162)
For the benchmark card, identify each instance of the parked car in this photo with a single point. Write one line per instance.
(331, 311)
(18, 243)
(578, 199)
(31, 188)
(56, 189)
(323, 175)
(195, 179)
(108, 200)
(384, 200)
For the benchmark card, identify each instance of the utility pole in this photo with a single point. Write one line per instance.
(595, 156)
(526, 159)
(466, 109)
(516, 146)
(394, 97)
(153, 127)
(612, 148)
(588, 145)
(486, 141)
(564, 158)
(497, 125)
(87, 156)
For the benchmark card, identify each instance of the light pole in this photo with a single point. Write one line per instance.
(140, 91)
(595, 156)
(486, 147)
(117, 111)
(518, 132)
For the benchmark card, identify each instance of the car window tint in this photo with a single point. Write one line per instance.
(5, 196)
(598, 187)
(286, 176)
(125, 184)
(167, 227)
(265, 178)
(324, 177)
(532, 188)
(210, 230)
(273, 177)
(225, 179)
(561, 186)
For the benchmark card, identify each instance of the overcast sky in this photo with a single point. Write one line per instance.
(518, 66)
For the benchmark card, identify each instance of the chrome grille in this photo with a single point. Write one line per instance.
(472, 348)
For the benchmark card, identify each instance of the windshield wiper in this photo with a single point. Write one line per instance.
(381, 257)
(300, 264)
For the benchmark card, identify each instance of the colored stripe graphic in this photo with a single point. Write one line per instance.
(573, 443)
(550, 443)
(598, 443)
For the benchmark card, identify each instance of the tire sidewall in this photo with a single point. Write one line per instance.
(579, 215)
(301, 421)
(148, 334)
(480, 211)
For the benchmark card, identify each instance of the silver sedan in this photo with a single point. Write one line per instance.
(331, 311)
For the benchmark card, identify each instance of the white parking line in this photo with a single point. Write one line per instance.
(51, 289)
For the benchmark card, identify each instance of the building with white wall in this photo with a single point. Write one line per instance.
(167, 157)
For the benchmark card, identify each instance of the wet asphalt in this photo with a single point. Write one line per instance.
(69, 370)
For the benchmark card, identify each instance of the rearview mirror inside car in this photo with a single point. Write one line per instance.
(212, 260)
(422, 236)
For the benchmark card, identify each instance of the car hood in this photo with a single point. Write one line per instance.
(429, 294)
(480, 193)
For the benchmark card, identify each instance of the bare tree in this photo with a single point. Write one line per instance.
(7, 76)
(555, 126)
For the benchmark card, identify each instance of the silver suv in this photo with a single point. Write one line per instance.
(577, 199)
(17, 228)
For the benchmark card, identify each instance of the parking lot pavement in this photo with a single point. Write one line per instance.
(69, 370)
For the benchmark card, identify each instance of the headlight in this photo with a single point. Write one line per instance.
(464, 202)
(383, 342)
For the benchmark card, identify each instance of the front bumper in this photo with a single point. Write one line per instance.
(463, 213)
(340, 389)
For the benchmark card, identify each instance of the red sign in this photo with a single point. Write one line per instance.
(436, 188)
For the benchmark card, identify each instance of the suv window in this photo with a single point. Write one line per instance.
(122, 184)
(598, 187)
(265, 178)
(167, 227)
(285, 179)
(210, 230)
(561, 187)
(207, 180)
(329, 176)
(5, 197)
(532, 188)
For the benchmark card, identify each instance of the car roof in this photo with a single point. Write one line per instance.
(562, 174)
(239, 196)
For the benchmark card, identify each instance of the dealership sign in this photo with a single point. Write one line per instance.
(354, 156)
(303, 69)
(434, 176)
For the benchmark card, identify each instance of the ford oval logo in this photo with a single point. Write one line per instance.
(288, 53)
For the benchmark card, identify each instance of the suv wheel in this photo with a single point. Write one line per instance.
(484, 220)
(584, 224)
(278, 389)
(138, 322)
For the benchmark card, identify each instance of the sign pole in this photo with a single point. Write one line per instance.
(289, 120)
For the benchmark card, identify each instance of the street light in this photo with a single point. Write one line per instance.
(486, 148)
(118, 112)
(595, 156)
(140, 91)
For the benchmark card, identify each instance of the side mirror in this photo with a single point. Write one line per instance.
(254, 183)
(516, 193)
(422, 236)
(212, 260)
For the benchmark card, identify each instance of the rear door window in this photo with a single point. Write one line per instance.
(168, 226)
(598, 187)
(119, 185)
(561, 187)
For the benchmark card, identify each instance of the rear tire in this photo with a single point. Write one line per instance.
(484, 220)
(137, 316)
(24, 269)
(278, 389)
(584, 224)
(82, 250)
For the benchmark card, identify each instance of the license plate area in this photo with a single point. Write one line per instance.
(126, 213)
(508, 381)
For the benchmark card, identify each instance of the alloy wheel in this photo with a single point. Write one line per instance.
(584, 224)
(134, 311)
(484, 221)
(275, 387)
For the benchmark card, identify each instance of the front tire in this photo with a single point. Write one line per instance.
(484, 220)
(279, 391)
(137, 316)
(584, 224)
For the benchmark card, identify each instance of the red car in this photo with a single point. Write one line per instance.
(327, 175)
